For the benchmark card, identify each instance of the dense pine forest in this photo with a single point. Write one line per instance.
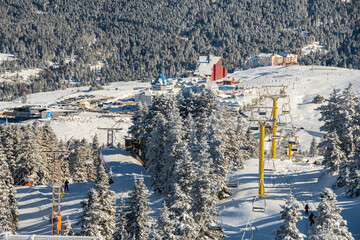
(134, 40)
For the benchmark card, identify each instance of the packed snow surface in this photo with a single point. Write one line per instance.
(304, 179)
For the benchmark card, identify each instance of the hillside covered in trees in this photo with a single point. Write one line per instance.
(136, 39)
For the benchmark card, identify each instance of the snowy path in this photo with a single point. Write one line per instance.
(35, 202)
(304, 180)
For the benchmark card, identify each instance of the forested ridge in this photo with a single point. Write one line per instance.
(137, 39)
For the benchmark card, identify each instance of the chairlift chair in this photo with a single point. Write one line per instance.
(294, 149)
(232, 185)
(262, 113)
(276, 137)
(258, 204)
(254, 126)
(281, 120)
(251, 233)
(285, 108)
(216, 228)
(272, 168)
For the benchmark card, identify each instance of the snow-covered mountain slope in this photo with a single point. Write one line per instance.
(305, 180)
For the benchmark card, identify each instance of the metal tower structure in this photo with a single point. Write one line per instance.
(261, 115)
(275, 98)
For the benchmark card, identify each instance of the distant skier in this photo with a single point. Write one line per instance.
(66, 185)
(307, 209)
(311, 219)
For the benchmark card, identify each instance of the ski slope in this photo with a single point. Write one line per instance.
(304, 180)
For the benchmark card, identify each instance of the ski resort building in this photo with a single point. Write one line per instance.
(211, 68)
(270, 59)
(162, 83)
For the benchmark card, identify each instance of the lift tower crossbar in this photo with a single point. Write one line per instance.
(110, 135)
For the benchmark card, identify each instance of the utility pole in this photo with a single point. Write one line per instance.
(56, 187)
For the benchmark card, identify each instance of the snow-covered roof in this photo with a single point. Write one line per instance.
(252, 59)
(162, 80)
(265, 55)
(206, 64)
(284, 54)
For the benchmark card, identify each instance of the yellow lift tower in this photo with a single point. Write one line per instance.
(261, 115)
(291, 142)
(275, 98)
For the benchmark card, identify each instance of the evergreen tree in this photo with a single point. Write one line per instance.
(175, 150)
(290, 215)
(8, 203)
(329, 224)
(204, 201)
(120, 226)
(180, 207)
(5, 221)
(352, 175)
(333, 155)
(313, 148)
(156, 159)
(137, 217)
(218, 164)
(90, 215)
(98, 218)
(106, 220)
(164, 227)
(348, 127)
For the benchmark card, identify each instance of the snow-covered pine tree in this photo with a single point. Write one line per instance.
(352, 181)
(184, 225)
(333, 155)
(186, 101)
(290, 214)
(329, 224)
(176, 150)
(5, 221)
(81, 161)
(164, 226)
(30, 161)
(90, 215)
(155, 154)
(161, 105)
(137, 129)
(8, 203)
(313, 151)
(347, 128)
(205, 199)
(252, 144)
(219, 165)
(106, 202)
(120, 225)
(98, 218)
(137, 217)
(234, 141)
(330, 113)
